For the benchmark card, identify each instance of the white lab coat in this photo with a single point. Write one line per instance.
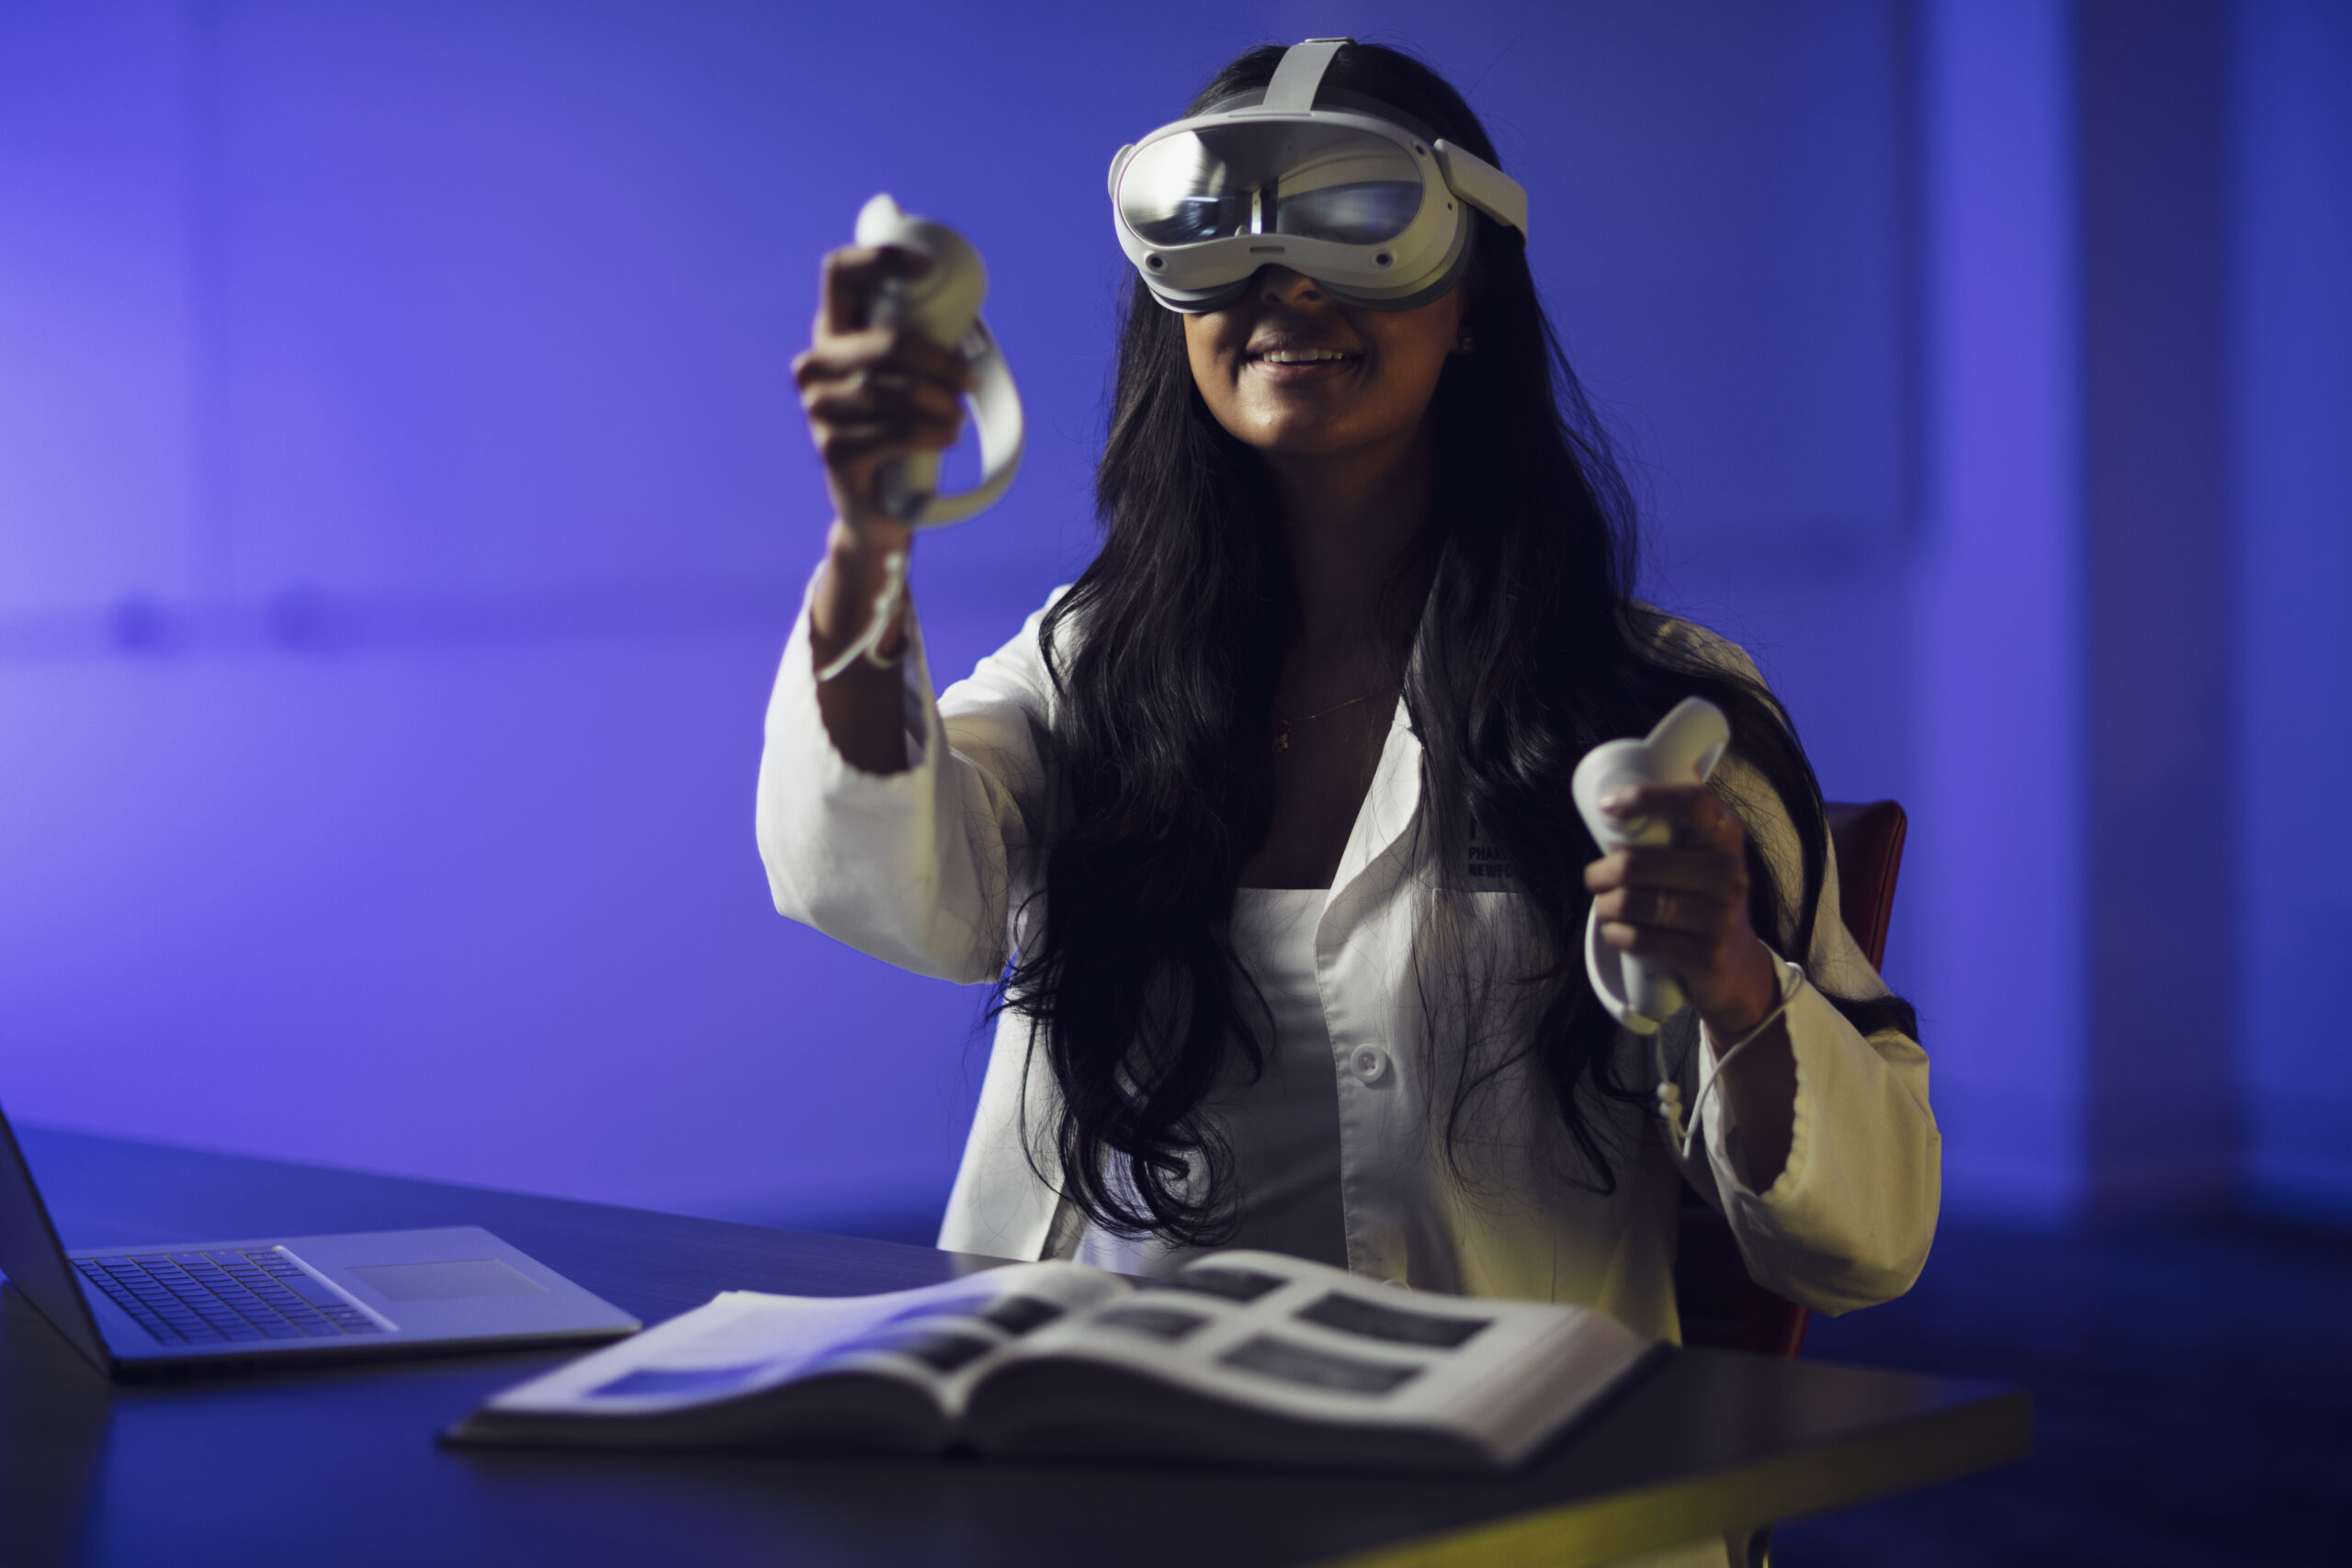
(930, 868)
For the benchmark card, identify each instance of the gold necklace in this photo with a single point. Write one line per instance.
(1282, 736)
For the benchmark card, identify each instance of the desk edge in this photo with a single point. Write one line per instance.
(1985, 1433)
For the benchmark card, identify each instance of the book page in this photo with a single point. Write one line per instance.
(742, 1343)
(1320, 1344)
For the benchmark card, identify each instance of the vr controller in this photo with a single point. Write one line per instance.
(1682, 749)
(944, 305)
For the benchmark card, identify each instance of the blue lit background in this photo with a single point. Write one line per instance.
(402, 500)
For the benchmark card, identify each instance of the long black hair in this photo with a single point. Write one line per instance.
(1531, 650)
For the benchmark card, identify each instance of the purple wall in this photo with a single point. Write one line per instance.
(401, 498)
(2292, 434)
(1997, 630)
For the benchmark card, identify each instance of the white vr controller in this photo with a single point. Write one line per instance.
(1682, 749)
(944, 305)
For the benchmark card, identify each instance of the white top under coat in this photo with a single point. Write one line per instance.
(1281, 1125)
(931, 867)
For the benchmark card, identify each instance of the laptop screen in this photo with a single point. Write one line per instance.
(32, 1256)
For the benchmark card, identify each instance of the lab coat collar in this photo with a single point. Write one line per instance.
(1388, 804)
(1391, 804)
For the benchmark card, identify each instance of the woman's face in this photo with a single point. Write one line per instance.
(1292, 372)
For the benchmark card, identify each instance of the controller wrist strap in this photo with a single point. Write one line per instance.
(1669, 1094)
(886, 615)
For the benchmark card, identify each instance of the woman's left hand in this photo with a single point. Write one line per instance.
(1684, 904)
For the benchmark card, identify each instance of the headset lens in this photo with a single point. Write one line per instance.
(1319, 182)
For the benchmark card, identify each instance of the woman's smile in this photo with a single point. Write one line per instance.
(1289, 370)
(1290, 361)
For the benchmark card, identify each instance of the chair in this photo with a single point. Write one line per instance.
(1720, 1305)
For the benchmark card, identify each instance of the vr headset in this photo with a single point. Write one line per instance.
(1355, 195)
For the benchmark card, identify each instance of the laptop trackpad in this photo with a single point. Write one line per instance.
(446, 1282)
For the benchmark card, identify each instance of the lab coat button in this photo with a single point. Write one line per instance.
(1369, 1061)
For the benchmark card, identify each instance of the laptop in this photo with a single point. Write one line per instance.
(185, 1306)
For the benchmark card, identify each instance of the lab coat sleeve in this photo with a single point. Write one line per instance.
(922, 867)
(1849, 1221)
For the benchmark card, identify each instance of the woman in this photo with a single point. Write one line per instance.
(1264, 824)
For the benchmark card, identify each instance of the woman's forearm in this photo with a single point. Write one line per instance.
(865, 705)
(1759, 1089)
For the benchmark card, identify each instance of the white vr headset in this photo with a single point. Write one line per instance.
(1354, 196)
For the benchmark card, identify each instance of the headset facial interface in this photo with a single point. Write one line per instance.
(1353, 195)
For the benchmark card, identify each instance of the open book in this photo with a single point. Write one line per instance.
(1242, 1356)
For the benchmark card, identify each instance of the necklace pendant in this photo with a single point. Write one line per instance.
(1282, 739)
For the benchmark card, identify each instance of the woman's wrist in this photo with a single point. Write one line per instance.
(858, 563)
(1750, 1000)
(862, 547)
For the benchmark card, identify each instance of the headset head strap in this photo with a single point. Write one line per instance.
(1300, 72)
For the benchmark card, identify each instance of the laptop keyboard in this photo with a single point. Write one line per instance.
(210, 1298)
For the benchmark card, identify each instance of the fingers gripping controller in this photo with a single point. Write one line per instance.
(1682, 749)
(944, 306)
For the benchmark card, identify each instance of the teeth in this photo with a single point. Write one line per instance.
(1304, 356)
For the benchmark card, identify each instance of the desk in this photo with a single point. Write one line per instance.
(337, 1466)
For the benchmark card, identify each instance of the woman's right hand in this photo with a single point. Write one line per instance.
(873, 393)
